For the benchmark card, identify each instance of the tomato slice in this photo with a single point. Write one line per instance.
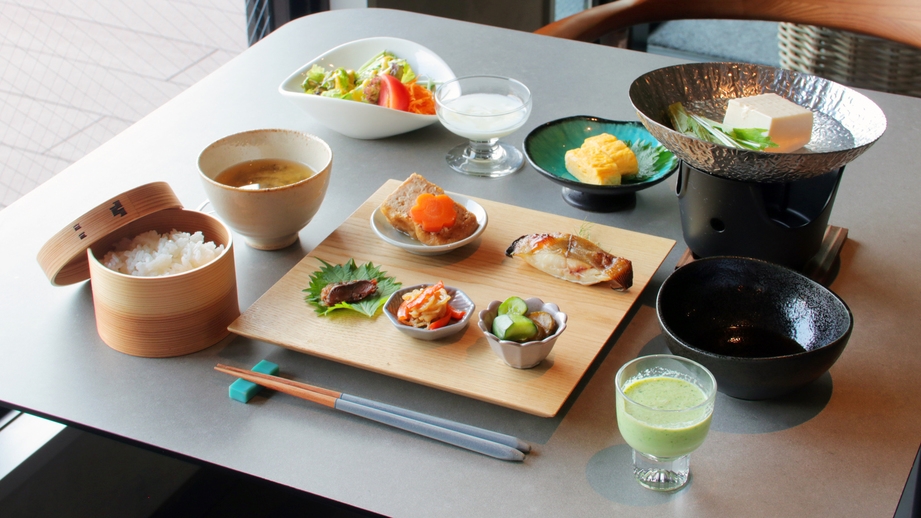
(393, 93)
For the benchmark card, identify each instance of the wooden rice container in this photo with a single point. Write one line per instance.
(148, 316)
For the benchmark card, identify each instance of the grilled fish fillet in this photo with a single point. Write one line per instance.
(572, 258)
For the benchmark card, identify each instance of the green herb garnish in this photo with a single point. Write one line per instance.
(585, 230)
(651, 158)
(333, 273)
(755, 139)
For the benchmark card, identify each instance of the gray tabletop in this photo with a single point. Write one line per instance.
(844, 446)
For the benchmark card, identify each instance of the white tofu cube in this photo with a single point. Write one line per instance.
(788, 124)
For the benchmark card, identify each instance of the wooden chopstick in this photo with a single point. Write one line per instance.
(476, 439)
(292, 388)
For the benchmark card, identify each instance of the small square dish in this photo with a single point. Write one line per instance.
(385, 230)
(358, 119)
(459, 301)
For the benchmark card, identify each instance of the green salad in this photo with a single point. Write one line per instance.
(385, 80)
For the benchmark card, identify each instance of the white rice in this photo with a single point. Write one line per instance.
(152, 255)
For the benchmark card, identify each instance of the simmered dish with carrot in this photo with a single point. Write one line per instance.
(422, 210)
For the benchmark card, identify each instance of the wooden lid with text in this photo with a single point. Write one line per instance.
(63, 257)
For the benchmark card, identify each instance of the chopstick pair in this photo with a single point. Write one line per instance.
(487, 442)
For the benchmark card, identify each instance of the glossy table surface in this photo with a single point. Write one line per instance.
(843, 446)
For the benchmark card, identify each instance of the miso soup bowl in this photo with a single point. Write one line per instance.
(733, 315)
(268, 219)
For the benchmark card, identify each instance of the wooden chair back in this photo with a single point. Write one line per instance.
(894, 20)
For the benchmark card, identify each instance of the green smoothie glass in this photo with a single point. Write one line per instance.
(664, 405)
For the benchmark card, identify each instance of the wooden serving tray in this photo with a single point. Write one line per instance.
(463, 364)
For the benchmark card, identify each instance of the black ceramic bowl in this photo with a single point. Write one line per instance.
(763, 330)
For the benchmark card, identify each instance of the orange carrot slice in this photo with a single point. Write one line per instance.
(441, 322)
(420, 99)
(420, 299)
(456, 314)
(433, 212)
(403, 313)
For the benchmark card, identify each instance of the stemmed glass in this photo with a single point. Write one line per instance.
(664, 407)
(483, 109)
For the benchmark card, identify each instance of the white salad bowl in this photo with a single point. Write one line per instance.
(528, 354)
(385, 230)
(459, 300)
(363, 120)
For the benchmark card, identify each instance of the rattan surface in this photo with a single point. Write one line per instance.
(851, 59)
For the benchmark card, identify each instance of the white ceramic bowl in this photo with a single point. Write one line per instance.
(362, 120)
(459, 300)
(385, 230)
(268, 219)
(528, 354)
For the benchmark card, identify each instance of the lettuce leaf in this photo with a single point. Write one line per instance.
(314, 78)
(352, 85)
(373, 65)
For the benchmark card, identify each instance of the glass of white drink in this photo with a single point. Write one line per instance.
(664, 406)
(483, 109)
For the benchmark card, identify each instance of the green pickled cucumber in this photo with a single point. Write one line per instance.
(513, 306)
(517, 328)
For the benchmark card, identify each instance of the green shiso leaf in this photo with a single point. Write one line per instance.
(333, 273)
(651, 158)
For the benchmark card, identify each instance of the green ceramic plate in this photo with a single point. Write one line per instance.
(546, 148)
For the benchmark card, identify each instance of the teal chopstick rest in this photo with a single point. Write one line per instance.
(242, 390)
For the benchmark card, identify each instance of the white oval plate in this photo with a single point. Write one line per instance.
(362, 120)
(385, 230)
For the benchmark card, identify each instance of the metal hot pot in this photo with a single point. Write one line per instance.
(770, 206)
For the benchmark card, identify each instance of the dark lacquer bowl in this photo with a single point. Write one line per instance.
(546, 148)
(762, 329)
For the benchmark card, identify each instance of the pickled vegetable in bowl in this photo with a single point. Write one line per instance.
(432, 303)
(526, 342)
(428, 307)
(515, 322)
